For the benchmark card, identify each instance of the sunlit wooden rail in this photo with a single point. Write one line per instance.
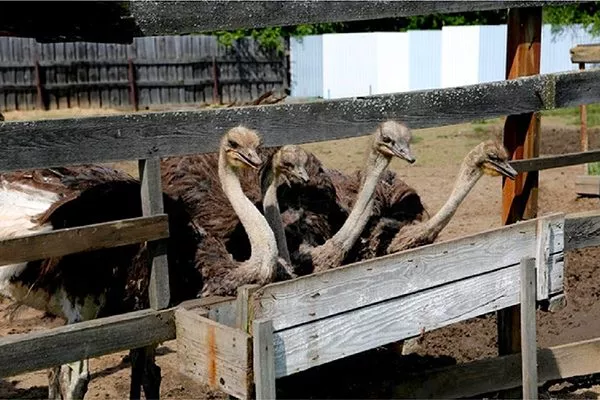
(292, 326)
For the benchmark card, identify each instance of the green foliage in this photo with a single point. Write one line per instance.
(586, 13)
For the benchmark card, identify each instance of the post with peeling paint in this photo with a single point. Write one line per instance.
(521, 138)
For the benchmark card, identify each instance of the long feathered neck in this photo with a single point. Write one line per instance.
(467, 178)
(269, 183)
(262, 240)
(361, 212)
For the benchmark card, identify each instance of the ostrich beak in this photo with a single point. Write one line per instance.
(504, 168)
(250, 157)
(403, 151)
(301, 174)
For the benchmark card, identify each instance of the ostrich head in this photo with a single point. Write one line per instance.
(392, 139)
(240, 145)
(289, 164)
(492, 159)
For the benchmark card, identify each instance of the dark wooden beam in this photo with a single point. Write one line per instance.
(521, 138)
(36, 144)
(184, 17)
(548, 162)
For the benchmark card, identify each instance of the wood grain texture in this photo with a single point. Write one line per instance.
(355, 286)
(549, 257)
(306, 346)
(585, 53)
(152, 203)
(563, 160)
(180, 17)
(528, 328)
(91, 237)
(264, 360)
(219, 309)
(45, 349)
(501, 373)
(587, 185)
(582, 230)
(36, 144)
(244, 307)
(214, 354)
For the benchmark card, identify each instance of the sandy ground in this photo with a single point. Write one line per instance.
(439, 153)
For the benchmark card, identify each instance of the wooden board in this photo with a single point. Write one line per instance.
(582, 230)
(88, 238)
(317, 296)
(36, 144)
(214, 354)
(587, 185)
(264, 360)
(563, 160)
(585, 53)
(34, 351)
(306, 346)
(501, 373)
(181, 17)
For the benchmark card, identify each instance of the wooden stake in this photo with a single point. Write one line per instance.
(133, 97)
(521, 138)
(583, 125)
(528, 332)
(264, 360)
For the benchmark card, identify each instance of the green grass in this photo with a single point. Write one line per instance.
(571, 114)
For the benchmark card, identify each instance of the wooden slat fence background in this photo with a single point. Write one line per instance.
(164, 70)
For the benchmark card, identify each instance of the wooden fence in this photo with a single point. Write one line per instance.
(291, 326)
(193, 69)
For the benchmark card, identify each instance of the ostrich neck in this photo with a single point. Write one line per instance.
(467, 178)
(361, 212)
(272, 212)
(262, 240)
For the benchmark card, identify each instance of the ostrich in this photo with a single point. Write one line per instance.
(115, 280)
(390, 139)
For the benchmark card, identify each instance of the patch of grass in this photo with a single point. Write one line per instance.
(571, 114)
(594, 168)
(416, 139)
(480, 129)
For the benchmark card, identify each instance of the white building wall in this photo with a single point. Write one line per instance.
(392, 68)
(460, 55)
(424, 59)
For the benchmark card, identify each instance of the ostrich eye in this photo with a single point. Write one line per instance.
(233, 144)
(287, 164)
(387, 139)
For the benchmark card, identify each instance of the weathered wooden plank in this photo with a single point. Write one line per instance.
(587, 185)
(69, 343)
(317, 296)
(264, 360)
(501, 373)
(582, 230)
(220, 309)
(181, 17)
(214, 354)
(585, 53)
(528, 328)
(35, 144)
(550, 241)
(87, 238)
(244, 309)
(152, 203)
(558, 161)
(306, 346)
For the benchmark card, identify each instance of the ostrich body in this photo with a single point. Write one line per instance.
(94, 284)
(391, 139)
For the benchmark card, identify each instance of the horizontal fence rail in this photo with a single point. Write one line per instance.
(181, 17)
(104, 235)
(35, 144)
(34, 351)
(558, 161)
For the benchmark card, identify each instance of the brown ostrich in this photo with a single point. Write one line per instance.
(94, 284)
(390, 139)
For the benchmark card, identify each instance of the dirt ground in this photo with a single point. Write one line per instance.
(439, 152)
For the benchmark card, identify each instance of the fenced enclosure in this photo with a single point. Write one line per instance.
(152, 71)
(291, 326)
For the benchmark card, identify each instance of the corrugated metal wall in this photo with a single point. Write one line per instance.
(357, 64)
(306, 65)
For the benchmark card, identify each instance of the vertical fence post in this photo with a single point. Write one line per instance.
(583, 124)
(521, 138)
(133, 93)
(263, 360)
(144, 371)
(41, 102)
(215, 76)
(528, 329)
